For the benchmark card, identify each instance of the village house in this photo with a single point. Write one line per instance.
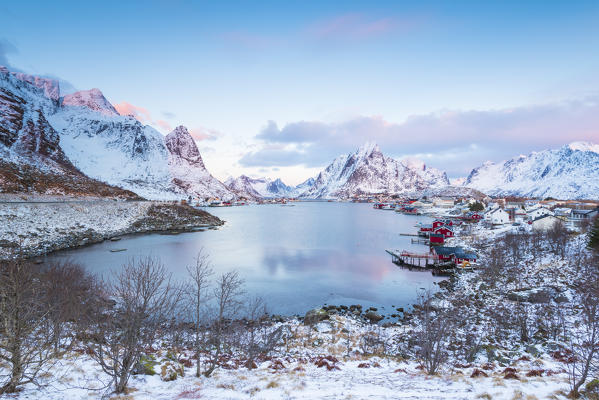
(443, 202)
(536, 212)
(497, 216)
(578, 217)
(545, 222)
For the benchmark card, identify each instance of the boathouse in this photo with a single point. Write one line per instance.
(454, 254)
(436, 239)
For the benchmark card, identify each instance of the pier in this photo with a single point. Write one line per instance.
(422, 260)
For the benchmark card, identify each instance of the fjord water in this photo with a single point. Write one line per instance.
(296, 256)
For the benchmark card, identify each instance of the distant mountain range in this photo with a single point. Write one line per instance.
(570, 172)
(79, 144)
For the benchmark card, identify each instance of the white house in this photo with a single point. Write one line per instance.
(545, 222)
(536, 212)
(497, 216)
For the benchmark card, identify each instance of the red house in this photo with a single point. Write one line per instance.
(444, 230)
(436, 239)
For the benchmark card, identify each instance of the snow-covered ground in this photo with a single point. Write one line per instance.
(293, 373)
(42, 227)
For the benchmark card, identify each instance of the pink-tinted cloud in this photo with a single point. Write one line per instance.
(164, 125)
(140, 113)
(452, 140)
(202, 133)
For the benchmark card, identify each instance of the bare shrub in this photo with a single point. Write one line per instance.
(434, 326)
(197, 295)
(227, 296)
(25, 343)
(143, 300)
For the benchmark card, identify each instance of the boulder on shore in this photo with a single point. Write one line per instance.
(315, 316)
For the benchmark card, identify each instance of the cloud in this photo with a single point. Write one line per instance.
(202, 133)
(6, 48)
(140, 113)
(453, 140)
(168, 115)
(164, 125)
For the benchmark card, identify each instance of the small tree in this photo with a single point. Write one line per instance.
(432, 333)
(69, 293)
(25, 343)
(594, 235)
(197, 295)
(476, 206)
(144, 300)
(584, 340)
(227, 295)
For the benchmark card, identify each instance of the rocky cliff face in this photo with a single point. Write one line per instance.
(189, 174)
(570, 172)
(83, 134)
(368, 171)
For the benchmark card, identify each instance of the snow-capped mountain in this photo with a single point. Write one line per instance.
(260, 187)
(570, 172)
(368, 171)
(32, 159)
(83, 132)
(92, 99)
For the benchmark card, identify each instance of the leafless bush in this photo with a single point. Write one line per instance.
(197, 296)
(227, 295)
(144, 300)
(69, 293)
(434, 327)
(584, 339)
(557, 237)
(25, 343)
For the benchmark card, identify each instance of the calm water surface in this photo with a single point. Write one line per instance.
(296, 257)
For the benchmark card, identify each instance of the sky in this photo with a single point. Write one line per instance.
(279, 89)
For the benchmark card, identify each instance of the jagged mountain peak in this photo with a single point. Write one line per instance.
(93, 99)
(50, 87)
(368, 171)
(583, 146)
(367, 149)
(181, 144)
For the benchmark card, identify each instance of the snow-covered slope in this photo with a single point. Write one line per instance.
(189, 175)
(32, 159)
(368, 171)
(570, 172)
(83, 134)
(260, 187)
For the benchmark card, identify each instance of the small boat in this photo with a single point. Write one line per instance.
(117, 250)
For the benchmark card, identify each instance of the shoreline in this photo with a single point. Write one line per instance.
(38, 229)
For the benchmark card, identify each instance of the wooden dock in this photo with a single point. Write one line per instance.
(421, 241)
(422, 260)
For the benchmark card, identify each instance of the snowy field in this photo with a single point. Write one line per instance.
(296, 374)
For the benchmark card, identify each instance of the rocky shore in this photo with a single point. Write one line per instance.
(32, 229)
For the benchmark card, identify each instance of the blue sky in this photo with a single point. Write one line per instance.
(279, 88)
